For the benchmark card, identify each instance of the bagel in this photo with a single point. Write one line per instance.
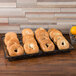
(27, 37)
(41, 38)
(57, 37)
(53, 33)
(47, 45)
(37, 30)
(41, 34)
(15, 50)
(12, 41)
(62, 44)
(8, 36)
(50, 31)
(27, 32)
(31, 47)
(56, 33)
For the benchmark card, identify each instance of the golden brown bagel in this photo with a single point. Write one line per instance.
(47, 45)
(15, 50)
(62, 44)
(57, 37)
(8, 36)
(31, 47)
(27, 32)
(27, 37)
(41, 34)
(12, 41)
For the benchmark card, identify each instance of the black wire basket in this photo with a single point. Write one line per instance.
(39, 54)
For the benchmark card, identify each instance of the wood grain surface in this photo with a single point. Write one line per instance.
(55, 65)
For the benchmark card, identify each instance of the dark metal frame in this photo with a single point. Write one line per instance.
(41, 53)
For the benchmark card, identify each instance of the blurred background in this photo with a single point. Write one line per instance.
(18, 14)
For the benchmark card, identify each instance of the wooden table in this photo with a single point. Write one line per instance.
(56, 65)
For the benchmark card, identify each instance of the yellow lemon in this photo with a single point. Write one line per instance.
(73, 30)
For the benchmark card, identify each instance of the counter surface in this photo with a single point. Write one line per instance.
(56, 65)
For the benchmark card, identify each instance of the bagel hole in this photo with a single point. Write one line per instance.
(62, 43)
(31, 46)
(47, 45)
(15, 50)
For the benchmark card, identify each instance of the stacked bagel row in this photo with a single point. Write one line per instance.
(31, 42)
(43, 39)
(13, 45)
(58, 39)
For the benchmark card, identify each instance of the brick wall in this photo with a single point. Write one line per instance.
(18, 14)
